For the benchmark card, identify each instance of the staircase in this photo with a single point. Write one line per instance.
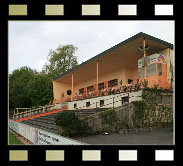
(47, 122)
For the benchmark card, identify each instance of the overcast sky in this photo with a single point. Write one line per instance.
(30, 41)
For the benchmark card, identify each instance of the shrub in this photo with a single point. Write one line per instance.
(71, 124)
(110, 120)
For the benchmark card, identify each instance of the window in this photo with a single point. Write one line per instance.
(159, 69)
(129, 81)
(125, 100)
(75, 105)
(101, 103)
(113, 83)
(90, 88)
(167, 99)
(101, 86)
(88, 104)
(141, 72)
(159, 99)
(151, 70)
(81, 91)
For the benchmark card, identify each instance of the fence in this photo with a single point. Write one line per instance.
(25, 112)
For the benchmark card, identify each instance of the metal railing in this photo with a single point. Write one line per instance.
(103, 92)
(26, 112)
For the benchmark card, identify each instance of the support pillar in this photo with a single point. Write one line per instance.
(97, 78)
(72, 93)
(144, 49)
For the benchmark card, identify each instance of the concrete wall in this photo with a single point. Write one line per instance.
(59, 88)
(41, 137)
(125, 113)
(108, 100)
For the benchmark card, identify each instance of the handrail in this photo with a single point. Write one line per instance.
(31, 110)
(106, 91)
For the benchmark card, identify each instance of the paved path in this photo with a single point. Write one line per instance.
(163, 136)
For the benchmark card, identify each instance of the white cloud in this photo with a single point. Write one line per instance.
(30, 41)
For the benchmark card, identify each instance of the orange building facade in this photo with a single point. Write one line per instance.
(118, 68)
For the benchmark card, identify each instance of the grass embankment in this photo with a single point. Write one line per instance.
(13, 140)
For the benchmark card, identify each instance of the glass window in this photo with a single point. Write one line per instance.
(159, 99)
(75, 105)
(90, 88)
(159, 69)
(129, 81)
(151, 70)
(167, 99)
(113, 83)
(141, 72)
(101, 103)
(87, 104)
(125, 100)
(81, 91)
(101, 86)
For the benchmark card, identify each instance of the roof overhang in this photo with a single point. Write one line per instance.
(124, 54)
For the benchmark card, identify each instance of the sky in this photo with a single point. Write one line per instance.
(31, 41)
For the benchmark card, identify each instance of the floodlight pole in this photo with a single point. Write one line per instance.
(144, 49)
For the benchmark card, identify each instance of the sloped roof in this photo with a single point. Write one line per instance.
(137, 36)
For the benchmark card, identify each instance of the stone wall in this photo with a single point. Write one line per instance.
(128, 118)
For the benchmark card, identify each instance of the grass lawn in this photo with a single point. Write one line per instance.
(13, 140)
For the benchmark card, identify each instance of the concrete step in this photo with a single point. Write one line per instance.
(47, 122)
(52, 130)
(45, 125)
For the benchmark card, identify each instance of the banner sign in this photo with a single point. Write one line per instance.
(41, 137)
(154, 58)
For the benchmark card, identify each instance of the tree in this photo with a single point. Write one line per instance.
(60, 60)
(18, 81)
(40, 90)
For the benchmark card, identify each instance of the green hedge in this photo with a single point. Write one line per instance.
(71, 125)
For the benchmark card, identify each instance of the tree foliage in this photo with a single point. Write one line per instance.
(29, 88)
(60, 60)
(39, 90)
(18, 81)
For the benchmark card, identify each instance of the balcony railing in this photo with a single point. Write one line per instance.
(102, 92)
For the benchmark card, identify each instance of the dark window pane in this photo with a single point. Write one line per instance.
(90, 88)
(167, 99)
(81, 91)
(125, 100)
(159, 99)
(159, 69)
(151, 70)
(75, 105)
(129, 81)
(101, 103)
(87, 104)
(101, 86)
(112, 83)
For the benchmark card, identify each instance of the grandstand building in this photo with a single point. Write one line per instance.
(114, 76)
